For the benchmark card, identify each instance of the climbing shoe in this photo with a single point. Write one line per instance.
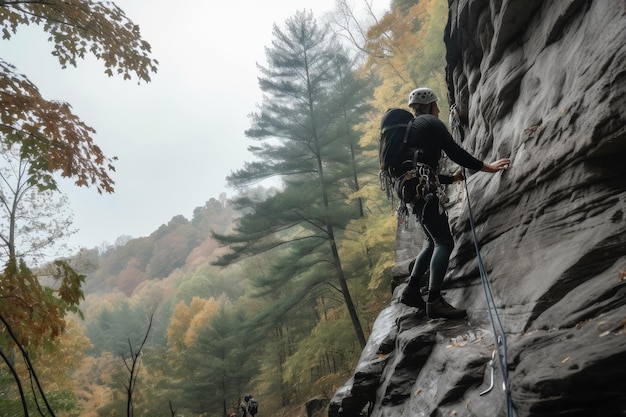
(440, 309)
(413, 297)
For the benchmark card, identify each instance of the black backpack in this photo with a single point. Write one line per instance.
(394, 155)
(253, 407)
(400, 176)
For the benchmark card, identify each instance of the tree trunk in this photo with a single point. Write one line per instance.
(337, 261)
(344, 288)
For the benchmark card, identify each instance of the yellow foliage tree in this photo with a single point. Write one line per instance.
(179, 322)
(208, 311)
(187, 320)
(93, 382)
(405, 50)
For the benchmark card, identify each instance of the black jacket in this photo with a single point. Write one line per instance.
(430, 136)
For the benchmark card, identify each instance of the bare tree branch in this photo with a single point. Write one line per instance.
(133, 369)
(29, 365)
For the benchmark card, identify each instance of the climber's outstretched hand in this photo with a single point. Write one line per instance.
(499, 165)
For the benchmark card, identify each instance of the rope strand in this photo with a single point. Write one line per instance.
(494, 317)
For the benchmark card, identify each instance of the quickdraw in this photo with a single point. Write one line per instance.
(403, 214)
(386, 184)
(491, 365)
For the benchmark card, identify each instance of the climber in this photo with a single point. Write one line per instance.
(431, 138)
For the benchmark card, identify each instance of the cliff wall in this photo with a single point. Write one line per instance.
(543, 82)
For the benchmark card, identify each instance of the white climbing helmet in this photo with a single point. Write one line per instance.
(422, 95)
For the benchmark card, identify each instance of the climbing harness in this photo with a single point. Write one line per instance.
(494, 318)
(419, 183)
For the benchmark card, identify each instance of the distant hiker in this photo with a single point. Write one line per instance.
(429, 137)
(249, 406)
(253, 406)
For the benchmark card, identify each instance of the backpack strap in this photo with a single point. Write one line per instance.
(386, 128)
(407, 131)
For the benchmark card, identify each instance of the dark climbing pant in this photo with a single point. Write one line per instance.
(437, 247)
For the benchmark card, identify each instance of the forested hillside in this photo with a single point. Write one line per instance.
(272, 291)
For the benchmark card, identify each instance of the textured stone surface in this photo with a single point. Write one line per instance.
(543, 82)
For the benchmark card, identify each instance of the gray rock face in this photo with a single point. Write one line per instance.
(543, 82)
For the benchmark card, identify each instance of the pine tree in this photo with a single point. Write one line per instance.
(303, 126)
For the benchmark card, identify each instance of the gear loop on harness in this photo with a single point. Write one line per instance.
(421, 182)
(427, 184)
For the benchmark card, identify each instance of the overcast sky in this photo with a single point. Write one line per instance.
(178, 137)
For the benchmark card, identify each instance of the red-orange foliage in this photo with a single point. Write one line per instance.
(50, 136)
